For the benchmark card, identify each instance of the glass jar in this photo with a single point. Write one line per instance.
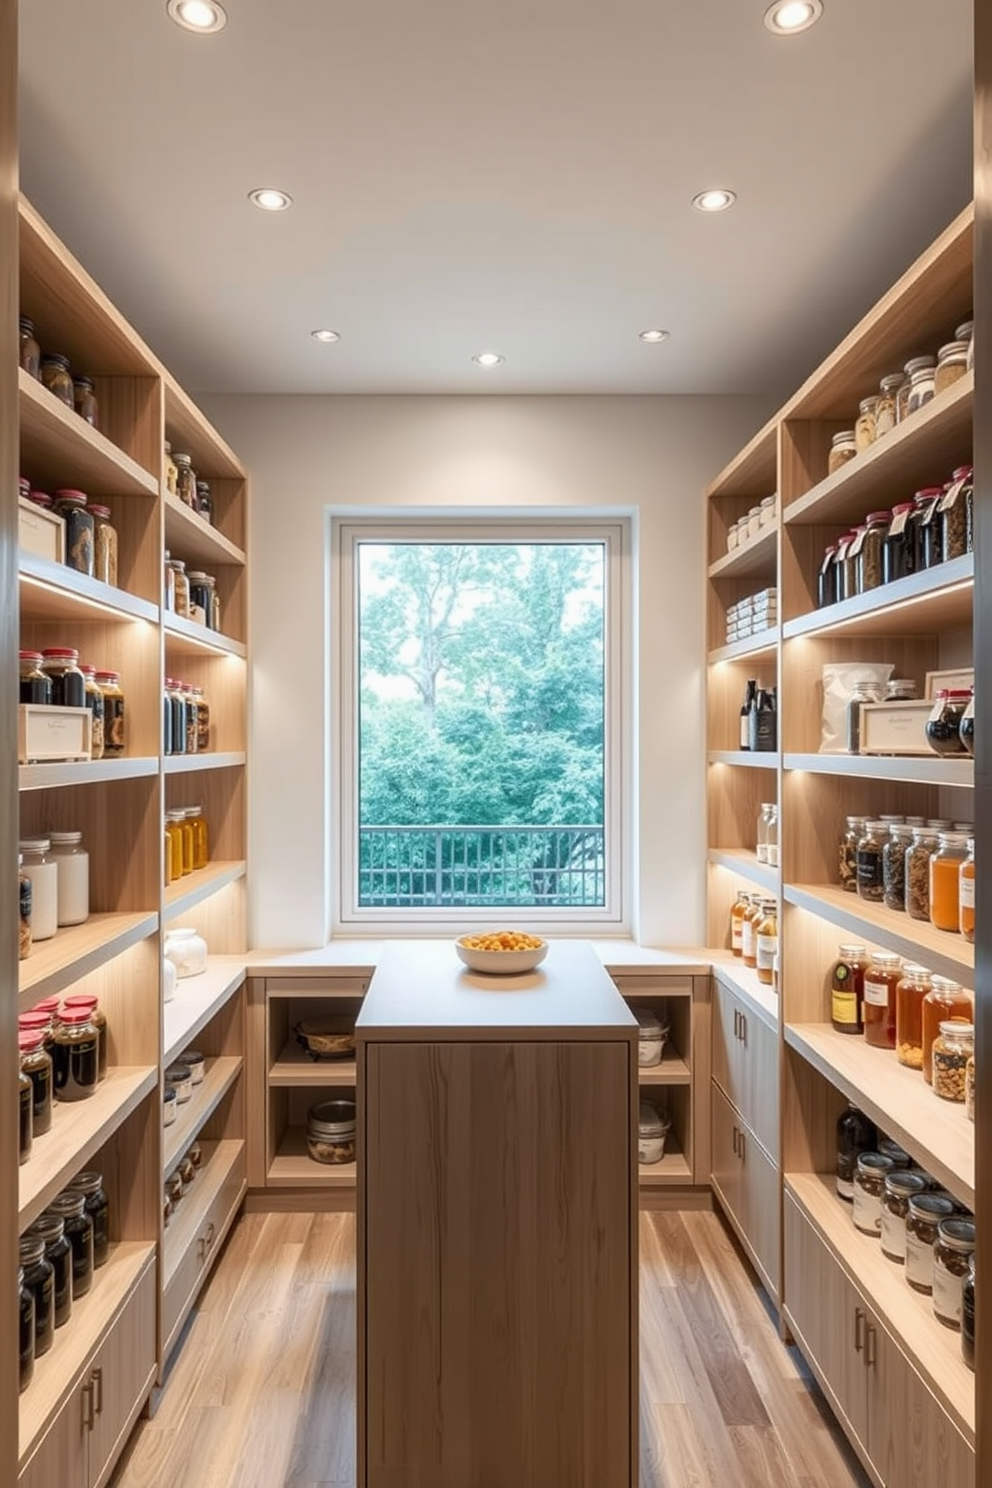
(196, 1062)
(826, 581)
(930, 552)
(29, 351)
(881, 980)
(946, 1001)
(171, 471)
(105, 545)
(885, 405)
(187, 1173)
(914, 535)
(114, 730)
(71, 1209)
(36, 1063)
(25, 1305)
(174, 833)
(918, 872)
(852, 566)
(753, 522)
(177, 700)
(737, 909)
(897, 545)
(966, 893)
(199, 597)
(187, 950)
(870, 1173)
(79, 530)
(90, 1185)
(61, 666)
(73, 862)
(952, 364)
(847, 985)
(843, 447)
(202, 721)
(952, 1048)
(214, 604)
(869, 862)
(35, 685)
(749, 943)
(168, 583)
(90, 1004)
(94, 700)
(84, 400)
(201, 836)
(180, 587)
(900, 1187)
(956, 514)
(188, 838)
(913, 986)
(864, 428)
(185, 479)
(968, 1315)
(954, 1249)
(331, 1132)
(204, 501)
(75, 1055)
(945, 881)
(966, 728)
(650, 1040)
(764, 817)
(856, 1134)
(50, 1230)
(894, 866)
(766, 941)
(840, 566)
(39, 1277)
(772, 842)
(24, 910)
(847, 862)
(192, 734)
(921, 386)
(40, 867)
(56, 377)
(969, 1088)
(900, 1157)
(926, 1210)
(25, 1131)
(870, 555)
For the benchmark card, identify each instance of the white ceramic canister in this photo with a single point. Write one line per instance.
(73, 863)
(169, 978)
(41, 868)
(187, 950)
(652, 1129)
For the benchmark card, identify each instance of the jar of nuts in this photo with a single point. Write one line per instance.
(953, 1047)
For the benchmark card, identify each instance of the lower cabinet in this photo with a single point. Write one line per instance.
(746, 1182)
(83, 1442)
(900, 1431)
(192, 1246)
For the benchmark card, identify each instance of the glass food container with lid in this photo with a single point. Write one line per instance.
(651, 1037)
(945, 880)
(843, 447)
(870, 1173)
(946, 1001)
(952, 1253)
(881, 980)
(331, 1128)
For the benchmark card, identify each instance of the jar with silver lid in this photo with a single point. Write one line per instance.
(331, 1128)
(954, 1248)
(885, 406)
(185, 479)
(869, 1186)
(864, 428)
(952, 364)
(843, 447)
(915, 364)
(900, 1186)
(926, 1210)
(921, 388)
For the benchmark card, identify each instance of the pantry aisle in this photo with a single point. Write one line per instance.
(262, 1393)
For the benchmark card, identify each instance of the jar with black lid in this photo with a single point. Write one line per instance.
(856, 1133)
(204, 501)
(61, 666)
(50, 1229)
(894, 866)
(826, 582)
(75, 1055)
(917, 869)
(931, 553)
(968, 1314)
(870, 556)
(898, 556)
(954, 1248)
(25, 1103)
(90, 1185)
(80, 531)
(185, 479)
(35, 685)
(29, 352)
(36, 1063)
(85, 401)
(870, 1174)
(926, 1210)
(25, 1298)
(869, 862)
(71, 1209)
(943, 727)
(900, 1186)
(56, 377)
(39, 1275)
(199, 597)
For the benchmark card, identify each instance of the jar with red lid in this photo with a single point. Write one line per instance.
(75, 1055)
(80, 534)
(924, 502)
(36, 1063)
(61, 666)
(881, 981)
(898, 558)
(89, 1003)
(943, 727)
(956, 510)
(35, 684)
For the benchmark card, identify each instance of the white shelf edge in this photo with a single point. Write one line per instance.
(928, 769)
(185, 764)
(913, 592)
(182, 897)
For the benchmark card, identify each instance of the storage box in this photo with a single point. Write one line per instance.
(895, 728)
(45, 733)
(39, 531)
(939, 681)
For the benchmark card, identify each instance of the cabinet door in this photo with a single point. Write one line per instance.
(62, 1456)
(911, 1439)
(745, 1064)
(121, 1375)
(831, 1321)
(760, 1213)
(726, 1173)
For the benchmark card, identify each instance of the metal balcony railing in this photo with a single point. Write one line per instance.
(449, 867)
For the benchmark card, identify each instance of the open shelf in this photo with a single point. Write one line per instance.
(78, 1129)
(899, 1101)
(672, 1070)
(755, 557)
(85, 772)
(185, 764)
(750, 759)
(944, 953)
(744, 863)
(934, 1349)
(190, 536)
(59, 449)
(219, 1075)
(293, 1167)
(188, 430)
(753, 469)
(939, 598)
(295, 1067)
(77, 950)
(671, 1171)
(762, 643)
(53, 591)
(188, 638)
(56, 1373)
(197, 1000)
(194, 887)
(219, 1161)
(910, 769)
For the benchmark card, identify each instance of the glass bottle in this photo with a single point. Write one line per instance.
(945, 874)
(185, 479)
(94, 701)
(177, 699)
(900, 1186)
(188, 839)
(921, 385)
(925, 841)
(764, 816)
(894, 866)
(913, 986)
(171, 471)
(870, 1173)
(926, 1210)
(847, 989)
(749, 946)
(947, 1001)
(766, 941)
(966, 893)
(856, 1133)
(192, 733)
(951, 1256)
(772, 843)
(930, 532)
(29, 353)
(966, 728)
(168, 584)
(848, 855)
(114, 728)
(881, 980)
(869, 862)
(84, 401)
(852, 566)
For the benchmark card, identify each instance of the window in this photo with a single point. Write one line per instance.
(479, 717)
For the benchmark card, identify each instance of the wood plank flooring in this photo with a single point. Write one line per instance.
(262, 1393)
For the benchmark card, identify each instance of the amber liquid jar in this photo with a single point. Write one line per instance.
(847, 989)
(945, 877)
(766, 942)
(966, 893)
(75, 1055)
(881, 980)
(913, 986)
(749, 940)
(945, 1002)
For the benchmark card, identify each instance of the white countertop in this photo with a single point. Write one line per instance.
(620, 957)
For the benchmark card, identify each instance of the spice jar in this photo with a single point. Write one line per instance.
(61, 666)
(864, 428)
(945, 876)
(180, 1077)
(918, 857)
(900, 1187)
(204, 501)
(894, 866)
(73, 863)
(898, 557)
(105, 545)
(766, 941)
(25, 1132)
(968, 1314)
(952, 364)
(75, 1055)
(869, 862)
(24, 907)
(50, 1230)
(40, 867)
(79, 530)
(36, 1063)
(946, 1001)
(879, 1011)
(91, 1005)
(952, 1048)
(885, 404)
(71, 1209)
(180, 587)
(926, 1210)
(855, 1134)
(196, 1062)
(843, 447)
(956, 514)
(85, 402)
(56, 377)
(39, 1278)
(954, 1248)
(848, 856)
(870, 554)
(94, 701)
(35, 685)
(29, 351)
(913, 986)
(870, 1173)
(966, 893)
(114, 732)
(921, 385)
(185, 479)
(847, 989)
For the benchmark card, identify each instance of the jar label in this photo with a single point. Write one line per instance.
(845, 1183)
(844, 1007)
(893, 1234)
(767, 951)
(856, 546)
(736, 933)
(747, 938)
(772, 854)
(950, 496)
(946, 1292)
(966, 892)
(877, 993)
(898, 523)
(867, 1211)
(919, 1261)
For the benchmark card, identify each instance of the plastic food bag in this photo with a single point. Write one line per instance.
(839, 680)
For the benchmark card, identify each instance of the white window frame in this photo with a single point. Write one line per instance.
(346, 533)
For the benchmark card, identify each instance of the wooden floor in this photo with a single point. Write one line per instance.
(262, 1394)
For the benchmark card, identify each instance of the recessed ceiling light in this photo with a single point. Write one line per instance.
(714, 201)
(269, 199)
(787, 17)
(327, 336)
(654, 336)
(488, 358)
(203, 16)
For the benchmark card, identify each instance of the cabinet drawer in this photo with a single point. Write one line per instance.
(745, 1064)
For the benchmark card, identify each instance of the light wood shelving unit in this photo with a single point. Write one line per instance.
(829, 1281)
(130, 1320)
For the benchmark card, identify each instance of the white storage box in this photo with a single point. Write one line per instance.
(941, 681)
(46, 733)
(895, 728)
(39, 531)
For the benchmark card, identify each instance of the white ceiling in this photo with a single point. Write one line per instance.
(513, 175)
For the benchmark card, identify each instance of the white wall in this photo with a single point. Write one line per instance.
(652, 456)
